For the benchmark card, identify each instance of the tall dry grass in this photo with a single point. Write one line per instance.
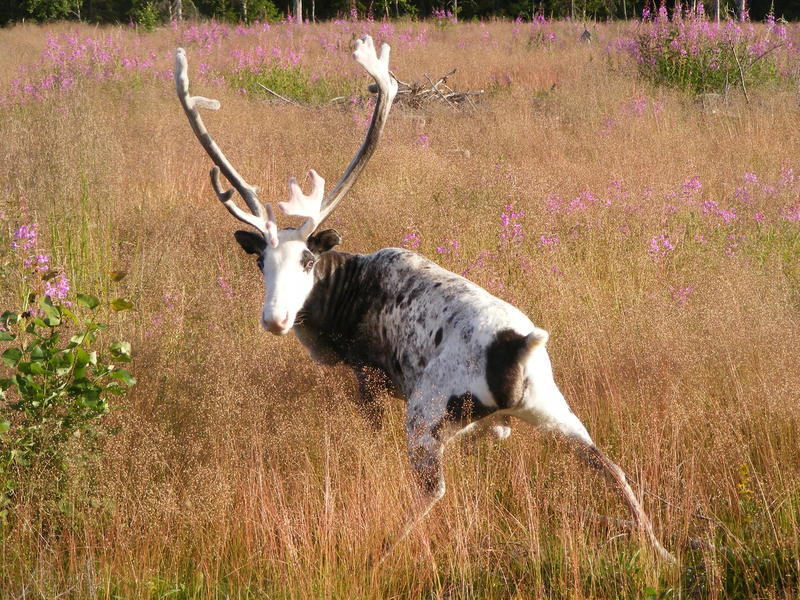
(241, 469)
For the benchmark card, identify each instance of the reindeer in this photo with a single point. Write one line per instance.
(462, 358)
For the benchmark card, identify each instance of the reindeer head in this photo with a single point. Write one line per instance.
(287, 257)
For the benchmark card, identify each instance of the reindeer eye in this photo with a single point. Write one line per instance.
(307, 260)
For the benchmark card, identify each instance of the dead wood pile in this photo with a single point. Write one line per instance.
(417, 94)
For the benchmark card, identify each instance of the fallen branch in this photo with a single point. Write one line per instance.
(277, 95)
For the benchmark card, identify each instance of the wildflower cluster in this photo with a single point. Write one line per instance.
(443, 17)
(36, 272)
(690, 52)
(281, 56)
(72, 58)
(681, 294)
(411, 241)
(540, 33)
(510, 227)
(660, 247)
(450, 247)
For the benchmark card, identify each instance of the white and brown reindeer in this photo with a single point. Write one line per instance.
(461, 357)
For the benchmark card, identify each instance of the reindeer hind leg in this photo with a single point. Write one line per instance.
(595, 458)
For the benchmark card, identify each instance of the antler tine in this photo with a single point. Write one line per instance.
(377, 65)
(262, 218)
(268, 227)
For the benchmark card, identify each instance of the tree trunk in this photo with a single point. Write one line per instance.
(742, 6)
(298, 10)
(179, 10)
(716, 10)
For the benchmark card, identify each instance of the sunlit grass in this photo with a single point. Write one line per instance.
(659, 246)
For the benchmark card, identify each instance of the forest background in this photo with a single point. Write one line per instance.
(149, 12)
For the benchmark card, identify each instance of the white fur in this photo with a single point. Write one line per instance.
(286, 282)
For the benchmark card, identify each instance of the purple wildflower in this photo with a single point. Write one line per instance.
(411, 240)
(25, 237)
(681, 294)
(692, 185)
(58, 290)
(548, 242)
(511, 230)
(660, 246)
(226, 289)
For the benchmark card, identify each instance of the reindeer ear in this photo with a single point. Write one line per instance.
(251, 242)
(324, 241)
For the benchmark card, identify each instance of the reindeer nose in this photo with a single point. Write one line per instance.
(278, 326)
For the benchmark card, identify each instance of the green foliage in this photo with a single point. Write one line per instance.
(290, 82)
(261, 10)
(235, 11)
(50, 10)
(145, 14)
(54, 393)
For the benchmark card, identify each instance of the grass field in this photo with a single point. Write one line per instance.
(654, 233)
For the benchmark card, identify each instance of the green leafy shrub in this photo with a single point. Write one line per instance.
(145, 14)
(56, 392)
(56, 380)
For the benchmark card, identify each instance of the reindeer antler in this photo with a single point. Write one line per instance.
(313, 207)
(262, 217)
(377, 65)
(301, 205)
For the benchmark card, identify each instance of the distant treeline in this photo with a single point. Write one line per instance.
(151, 12)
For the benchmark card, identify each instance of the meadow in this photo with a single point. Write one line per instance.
(651, 226)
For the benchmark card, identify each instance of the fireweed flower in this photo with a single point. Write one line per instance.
(692, 185)
(495, 285)
(411, 240)
(660, 246)
(450, 247)
(226, 289)
(510, 229)
(58, 289)
(787, 176)
(792, 213)
(545, 242)
(733, 243)
(712, 208)
(25, 237)
(681, 294)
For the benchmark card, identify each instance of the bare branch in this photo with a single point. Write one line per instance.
(277, 95)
